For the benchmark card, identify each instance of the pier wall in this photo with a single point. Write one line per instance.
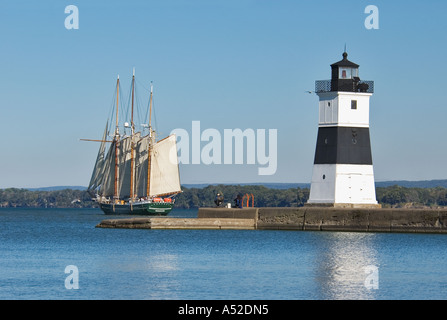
(338, 219)
(367, 220)
(303, 218)
(233, 213)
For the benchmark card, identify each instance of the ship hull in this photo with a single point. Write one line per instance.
(147, 208)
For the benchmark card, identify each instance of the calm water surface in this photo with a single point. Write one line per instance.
(36, 245)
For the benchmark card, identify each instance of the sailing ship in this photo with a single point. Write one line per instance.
(136, 175)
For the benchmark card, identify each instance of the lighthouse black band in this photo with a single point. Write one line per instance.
(343, 145)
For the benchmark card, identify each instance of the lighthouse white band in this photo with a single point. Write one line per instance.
(335, 108)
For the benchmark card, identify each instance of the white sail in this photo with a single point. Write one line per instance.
(164, 178)
(124, 165)
(164, 174)
(141, 152)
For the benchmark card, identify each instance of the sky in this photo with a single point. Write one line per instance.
(225, 64)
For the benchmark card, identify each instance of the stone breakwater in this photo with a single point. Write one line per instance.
(366, 220)
(178, 223)
(303, 218)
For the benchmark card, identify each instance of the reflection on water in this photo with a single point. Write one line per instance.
(163, 270)
(162, 263)
(345, 264)
(147, 275)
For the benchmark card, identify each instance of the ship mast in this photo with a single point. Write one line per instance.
(132, 142)
(149, 151)
(115, 187)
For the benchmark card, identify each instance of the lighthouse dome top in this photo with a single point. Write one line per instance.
(345, 62)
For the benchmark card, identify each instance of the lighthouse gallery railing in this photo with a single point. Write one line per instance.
(360, 86)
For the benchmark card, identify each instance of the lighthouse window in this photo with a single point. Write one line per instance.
(345, 73)
(353, 104)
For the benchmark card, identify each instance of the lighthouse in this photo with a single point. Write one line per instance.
(343, 173)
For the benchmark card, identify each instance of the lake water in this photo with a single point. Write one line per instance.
(36, 246)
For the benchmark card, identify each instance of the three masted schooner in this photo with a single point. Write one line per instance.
(137, 175)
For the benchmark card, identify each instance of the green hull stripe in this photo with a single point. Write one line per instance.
(160, 209)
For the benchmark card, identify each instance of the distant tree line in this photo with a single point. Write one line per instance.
(263, 196)
(67, 198)
(398, 196)
(392, 196)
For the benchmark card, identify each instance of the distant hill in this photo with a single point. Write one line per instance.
(267, 185)
(57, 188)
(414, 184)
(383, 184)
(279, 185)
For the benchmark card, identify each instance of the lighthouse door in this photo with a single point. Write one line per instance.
(350, 188)
(359, 192)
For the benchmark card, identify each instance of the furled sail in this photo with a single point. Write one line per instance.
(98, 171)
(124, 166)
(164, 177)
(141, 152)
(108, 178)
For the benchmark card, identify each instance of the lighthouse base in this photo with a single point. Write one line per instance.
(345, 205)
(343, 186)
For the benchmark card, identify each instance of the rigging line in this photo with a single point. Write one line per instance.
(126, 113)
(111, 115)
(121, 98)
(146, 116)
(143, 114)
(147, 110)
(154, 122)
(141, 84)
(154, 113)
(121, 107)
(138, 108)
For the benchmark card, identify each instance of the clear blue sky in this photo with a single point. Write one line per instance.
(228, 64)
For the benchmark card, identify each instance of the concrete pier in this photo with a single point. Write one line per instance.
(362, 220)
(178, 223)
(303, 218)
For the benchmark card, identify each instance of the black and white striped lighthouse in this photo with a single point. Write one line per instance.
(343, 170)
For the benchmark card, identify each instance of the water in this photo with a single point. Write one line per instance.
(36, 245)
